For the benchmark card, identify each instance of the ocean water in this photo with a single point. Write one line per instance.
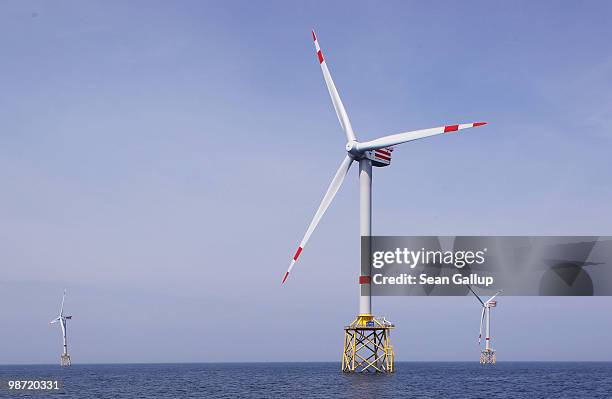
(322, 380)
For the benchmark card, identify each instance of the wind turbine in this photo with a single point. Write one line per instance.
(367, 153)
(65, 358)
(487, 356)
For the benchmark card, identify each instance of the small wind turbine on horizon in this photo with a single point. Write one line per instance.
(65, 357)
(487, 355)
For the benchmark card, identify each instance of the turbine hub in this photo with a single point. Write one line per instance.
(351, 148)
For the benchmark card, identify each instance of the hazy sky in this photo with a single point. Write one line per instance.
(162, 160)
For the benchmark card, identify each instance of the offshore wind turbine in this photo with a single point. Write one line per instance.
(370, 153)
(65, 357)
(487, 355)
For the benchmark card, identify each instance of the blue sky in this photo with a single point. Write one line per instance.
(162, 161)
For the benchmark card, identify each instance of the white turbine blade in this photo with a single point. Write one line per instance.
(493, 297)
(63, 298)
(481, 320)
(477, 297)
(335, 97)
(399, 138)
(327, 199)
(54, 320)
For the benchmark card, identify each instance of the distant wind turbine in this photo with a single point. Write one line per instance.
(487, 355)
(65, 358)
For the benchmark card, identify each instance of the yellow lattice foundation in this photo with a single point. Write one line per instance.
(65, 360)
(367, 346)
(488, 356)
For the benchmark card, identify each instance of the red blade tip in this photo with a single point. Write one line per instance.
(314, 36)
(479, 123)
(285, 278)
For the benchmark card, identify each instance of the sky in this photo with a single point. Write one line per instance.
(162, 160)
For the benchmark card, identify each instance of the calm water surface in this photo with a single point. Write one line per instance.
(323, 380)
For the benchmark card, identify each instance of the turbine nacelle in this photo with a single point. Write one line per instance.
(379, 157)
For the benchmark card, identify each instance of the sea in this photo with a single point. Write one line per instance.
(318, 380)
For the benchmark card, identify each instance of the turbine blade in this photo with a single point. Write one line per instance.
(477, 297)
(493, 297)
(481, 320)
(54, 320)
(327, 199)
(399, 138)
(333, 92)
(63, 298)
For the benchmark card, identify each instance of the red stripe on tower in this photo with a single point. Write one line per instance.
(365, 279)
(451, 128)
(320, 54)
(297, 253)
